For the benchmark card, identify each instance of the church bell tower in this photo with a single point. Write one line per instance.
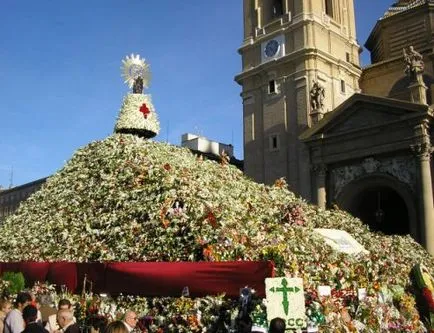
(289, 48)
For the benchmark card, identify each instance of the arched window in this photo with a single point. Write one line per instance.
(328, 4)
(277, 8)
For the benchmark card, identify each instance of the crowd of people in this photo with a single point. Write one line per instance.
(25, 316)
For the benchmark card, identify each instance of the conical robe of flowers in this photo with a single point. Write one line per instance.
(138, 116)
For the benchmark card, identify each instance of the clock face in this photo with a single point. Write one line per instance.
(271, 48)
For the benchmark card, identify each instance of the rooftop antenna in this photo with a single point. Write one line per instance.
(197, 131)
(11, 178)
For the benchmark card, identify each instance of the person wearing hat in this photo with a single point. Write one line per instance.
(30, 316)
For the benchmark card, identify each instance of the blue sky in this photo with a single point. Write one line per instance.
(60, 84)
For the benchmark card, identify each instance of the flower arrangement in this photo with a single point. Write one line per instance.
(125, 198)
(137, 114)
(390, 309)
(43, 288)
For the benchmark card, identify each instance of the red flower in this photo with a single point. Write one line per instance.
(428, 296)
(211, 219)
(144, 109)
(207, 252)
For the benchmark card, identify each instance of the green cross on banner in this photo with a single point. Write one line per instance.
(285, 290)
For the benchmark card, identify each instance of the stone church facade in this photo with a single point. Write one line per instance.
(344, 137)
(288, 45)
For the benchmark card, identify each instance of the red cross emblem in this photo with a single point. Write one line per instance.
(144, 109)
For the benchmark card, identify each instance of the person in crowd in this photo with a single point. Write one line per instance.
(46, 308)
(65, 318)
(30, 316)
(5, 308)
(130, 320)
(14, 322)
(99, 323)
(37, 305)
(277, 325)
(52, 324)
(116, 326)
(244, 324)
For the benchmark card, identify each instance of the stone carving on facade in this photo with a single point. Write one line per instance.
(345, 175)
(317, 95)
(413, 61)
(402, 168)
(370, 164)
(422, 150)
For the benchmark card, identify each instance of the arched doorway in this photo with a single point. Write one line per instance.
(383, 210)
(382, 202)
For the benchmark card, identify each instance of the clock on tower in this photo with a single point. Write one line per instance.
(273, 48)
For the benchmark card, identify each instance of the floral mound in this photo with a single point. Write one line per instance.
(128, 199)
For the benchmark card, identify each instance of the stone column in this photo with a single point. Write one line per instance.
(249, 19)
(259, 13)
(418, 90)
(264, 12)
(423, 154)
(287, 9)
(320, 171)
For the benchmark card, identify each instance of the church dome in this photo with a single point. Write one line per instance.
(402, 6)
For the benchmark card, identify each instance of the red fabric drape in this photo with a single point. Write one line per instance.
(63, 273)
(151, 278)
(34, 271)
(201, 278)
(94, 272)
(10, 267)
